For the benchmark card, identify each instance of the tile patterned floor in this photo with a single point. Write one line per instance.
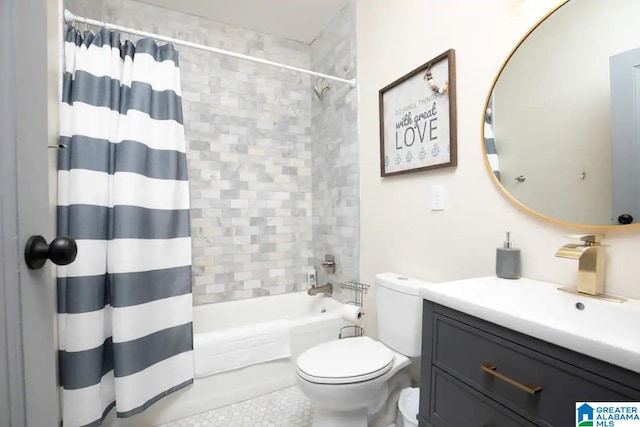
(283, 408)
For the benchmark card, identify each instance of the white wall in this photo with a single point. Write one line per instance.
(399, 232)
(55, 62)
(552, 110)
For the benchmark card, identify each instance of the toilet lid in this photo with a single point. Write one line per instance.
(345, 361)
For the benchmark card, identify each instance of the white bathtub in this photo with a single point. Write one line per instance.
(309, 327)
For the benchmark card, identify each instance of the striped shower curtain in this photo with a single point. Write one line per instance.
(490, 140)
(125, 304)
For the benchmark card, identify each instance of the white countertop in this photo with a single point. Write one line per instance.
(604, 330)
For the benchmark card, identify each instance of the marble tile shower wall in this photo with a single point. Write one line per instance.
(249, 152)
(335, 154)
(252, 134)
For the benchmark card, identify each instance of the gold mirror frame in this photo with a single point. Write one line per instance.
(495, 180)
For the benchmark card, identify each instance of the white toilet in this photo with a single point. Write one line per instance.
(353, 381)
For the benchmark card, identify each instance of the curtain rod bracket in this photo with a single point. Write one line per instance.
(69, 18)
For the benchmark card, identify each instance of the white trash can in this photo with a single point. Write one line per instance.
(408, 404)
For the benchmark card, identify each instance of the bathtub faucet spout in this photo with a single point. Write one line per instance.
(326, 289)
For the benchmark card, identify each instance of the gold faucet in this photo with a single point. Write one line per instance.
(590, 256)
(591, 261)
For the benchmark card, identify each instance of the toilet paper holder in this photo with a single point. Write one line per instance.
(359, 289)
(351, 331)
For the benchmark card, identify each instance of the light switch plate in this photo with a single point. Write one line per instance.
(437, 197)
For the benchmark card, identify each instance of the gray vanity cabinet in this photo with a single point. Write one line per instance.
(476, 373)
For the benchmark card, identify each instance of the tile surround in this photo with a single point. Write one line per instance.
(273, 170)
(335, 152)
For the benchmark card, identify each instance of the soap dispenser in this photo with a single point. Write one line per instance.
(508, 260)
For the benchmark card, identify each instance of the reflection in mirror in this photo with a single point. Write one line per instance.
(562, 128)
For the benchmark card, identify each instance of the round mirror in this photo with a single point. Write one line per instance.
(562, 121)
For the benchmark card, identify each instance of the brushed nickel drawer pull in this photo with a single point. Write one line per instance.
(493, 370)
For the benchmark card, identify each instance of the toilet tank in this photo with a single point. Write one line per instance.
(399, 312)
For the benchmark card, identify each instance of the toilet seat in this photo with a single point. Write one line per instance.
(345, 361)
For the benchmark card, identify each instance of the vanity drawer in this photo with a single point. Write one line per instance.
(455, 404)
(540, 388)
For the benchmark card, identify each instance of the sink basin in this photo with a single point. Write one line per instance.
(601, 329)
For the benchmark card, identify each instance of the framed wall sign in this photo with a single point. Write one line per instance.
(418, 119)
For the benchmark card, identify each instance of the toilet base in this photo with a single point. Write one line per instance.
(380, 412)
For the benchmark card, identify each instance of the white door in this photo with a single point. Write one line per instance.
(28, 86)
(625, 135)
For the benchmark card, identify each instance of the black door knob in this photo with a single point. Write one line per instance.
(61, 251)
(625, 219)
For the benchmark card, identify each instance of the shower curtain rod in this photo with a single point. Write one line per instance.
(70, 18)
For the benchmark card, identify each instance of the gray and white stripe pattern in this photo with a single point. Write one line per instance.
(490, 141)
(125, 304)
